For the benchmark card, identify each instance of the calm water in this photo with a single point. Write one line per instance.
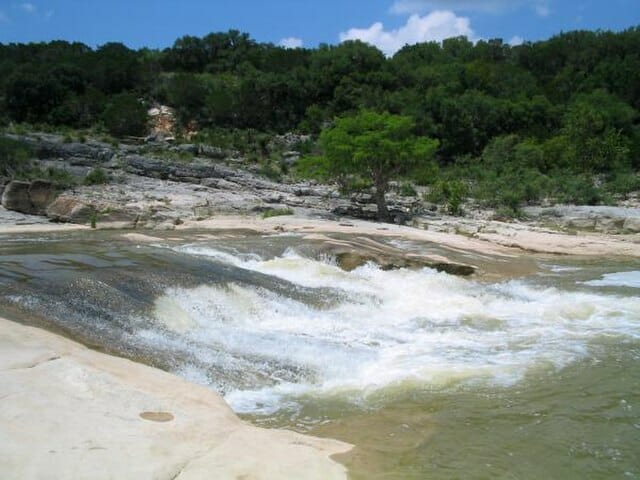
(431, 376)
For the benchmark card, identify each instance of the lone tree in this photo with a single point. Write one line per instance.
(377, 146)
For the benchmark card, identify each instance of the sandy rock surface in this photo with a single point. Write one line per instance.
(67, 412)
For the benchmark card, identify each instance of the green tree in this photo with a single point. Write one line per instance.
(378, 146)
(125, 115)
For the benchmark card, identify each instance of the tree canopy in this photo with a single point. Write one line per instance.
(573, 100)
(380, 146)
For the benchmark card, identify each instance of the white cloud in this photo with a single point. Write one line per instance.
(516, 40)
(291, 42)
(435, 26)
(28, 7)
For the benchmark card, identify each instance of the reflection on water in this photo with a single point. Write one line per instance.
(429, 375)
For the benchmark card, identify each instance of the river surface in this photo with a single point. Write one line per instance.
(535, 374)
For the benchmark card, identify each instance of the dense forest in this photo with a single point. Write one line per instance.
(513, 124)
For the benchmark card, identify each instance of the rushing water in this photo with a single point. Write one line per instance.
(429, 375)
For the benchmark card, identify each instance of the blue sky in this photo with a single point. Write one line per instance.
(388, 24)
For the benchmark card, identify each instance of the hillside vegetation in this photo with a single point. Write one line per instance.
(556, 119)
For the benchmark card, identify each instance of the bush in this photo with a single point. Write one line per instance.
(125, 115)
(622, 183)
(60, 177)
(97, 176)
(270, 171)
(579, 190)
(276, 212)
(14, 157)
(407, 190)
(450, 192)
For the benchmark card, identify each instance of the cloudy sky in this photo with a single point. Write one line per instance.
(388, 24)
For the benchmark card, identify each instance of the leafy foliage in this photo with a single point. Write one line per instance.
(125, 115)
(519, 124)
(97, 176)
(14, 157)
(378, 146)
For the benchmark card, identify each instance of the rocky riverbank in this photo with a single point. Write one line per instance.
(158, 187)
(70, 412)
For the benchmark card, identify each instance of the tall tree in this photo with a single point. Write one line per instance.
(379, 146)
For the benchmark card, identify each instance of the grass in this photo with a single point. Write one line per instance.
(97, 176)
(277, 212)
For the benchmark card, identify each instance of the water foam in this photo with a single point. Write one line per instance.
(388, 328)
(619, 279)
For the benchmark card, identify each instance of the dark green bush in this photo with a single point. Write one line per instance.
(276, 212)
(125, 115)
(14, 157)
(407, 190)
(450, 192)
(97, 176)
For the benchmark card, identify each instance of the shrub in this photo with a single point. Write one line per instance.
(125, 115)
(14, 157)
(407, 190)
(450, 192)
(97, 176)
(623, 183)
(270, 171)
(276, 212)
(579, 190)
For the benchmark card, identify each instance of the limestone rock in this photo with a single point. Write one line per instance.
(350, 260)
(609, 225)
(28, 197)
(67, 412)
(582, 223)
(42, 194)
(631, 225)
(69, 209)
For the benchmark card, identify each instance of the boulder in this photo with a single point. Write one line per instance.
(42, 194)
(631, 225)
(350, 260)
(16, 197)
(69, 209)
(29, 197)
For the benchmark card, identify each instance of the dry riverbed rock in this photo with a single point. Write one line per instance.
(28, 197)
(67, 412)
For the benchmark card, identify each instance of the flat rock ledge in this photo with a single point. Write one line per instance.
(68, 412)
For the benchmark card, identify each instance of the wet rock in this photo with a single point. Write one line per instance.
(29, 197)
(350, 260)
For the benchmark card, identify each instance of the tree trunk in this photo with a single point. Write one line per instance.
(381, 201)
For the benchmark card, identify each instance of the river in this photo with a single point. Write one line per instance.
(532, 374)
